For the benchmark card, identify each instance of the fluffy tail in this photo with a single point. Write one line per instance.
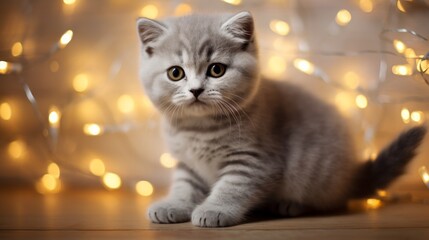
(389, 164)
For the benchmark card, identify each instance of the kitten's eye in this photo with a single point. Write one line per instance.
(216, 70)
(175, 73)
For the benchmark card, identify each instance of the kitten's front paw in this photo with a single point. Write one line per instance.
(169, 212)
(208, 215)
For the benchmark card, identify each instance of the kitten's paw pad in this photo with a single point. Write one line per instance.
(207, 216)
(166, 212)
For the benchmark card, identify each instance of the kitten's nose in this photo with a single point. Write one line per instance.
(196, 92)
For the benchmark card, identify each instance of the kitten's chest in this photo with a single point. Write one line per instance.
(200, 151)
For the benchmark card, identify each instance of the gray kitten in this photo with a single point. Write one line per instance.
(244, 142)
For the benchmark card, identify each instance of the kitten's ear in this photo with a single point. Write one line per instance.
(150, 30)
(239, 26)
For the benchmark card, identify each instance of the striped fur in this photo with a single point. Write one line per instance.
(244, 142)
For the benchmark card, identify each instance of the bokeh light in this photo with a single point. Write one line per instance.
(361, 101)
(5, 111)
(343, 17)
(17, 49)
(144, 188)
(280, 27)
(96, 167)
(167, 160)
(149, 11)
(112, 180)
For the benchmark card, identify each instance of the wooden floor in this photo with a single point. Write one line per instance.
(98, 214)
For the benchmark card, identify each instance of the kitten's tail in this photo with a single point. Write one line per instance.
(389, 164)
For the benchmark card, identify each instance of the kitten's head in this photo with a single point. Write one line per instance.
(199, 65)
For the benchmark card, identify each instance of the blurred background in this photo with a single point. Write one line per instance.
(73, 113)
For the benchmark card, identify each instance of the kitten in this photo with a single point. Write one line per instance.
(244, 142)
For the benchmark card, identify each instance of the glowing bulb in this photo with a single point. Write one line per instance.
(69, 2)
(304, 66)
(343, 17)
(81, 82)
(344, 102)
(112, 180)
(93, 129)
(423, 65)
(399, 46)
(351, 79)
(280, 27)
(5, 111)
(405, 115)
(361, 101)
(167, 160)
(16, 49)
(96, 167)
(49, 182)
(54, 117)
(4, 67)
(66, 38)
(400, 6)
(277, 64)
(424, 175)
(149, 11)
(54, 170)
(382, 193)
(16, 149)
(402, 70)
(417, 116)
(183, 9)
(144, 188)
(373, 203)
(125, 104)
(366, 5)
(233, 2)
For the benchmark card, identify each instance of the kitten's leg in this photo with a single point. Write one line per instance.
(187, 190)
(238, 190)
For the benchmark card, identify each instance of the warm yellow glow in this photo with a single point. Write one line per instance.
(422, 65)
(277, 64)
(343, 17)
(96, 167)
(280, 27)
(16, 49)
(49, 182)
(382, 193)
(54, 170)
(149, 11)
(16, 149)
(410, 53)
(399, 46)
(417, 116)
(400, 6)
(233, 2)
(344, 102)
(183, 9)
(4, 67)
(147, 104)
(69, 2)
(144, 188)
(304, 66)
(167, 160)
(373, 203)
(54, 66)
(54, 117)
(5, 111)
(361, 101)
(351, 80)
(125, 103)
(81, 82)
(366, 5)
(66, 38)
(424, 174)
(403, 70)
(112, 180)
(405, 115)
(92, 129)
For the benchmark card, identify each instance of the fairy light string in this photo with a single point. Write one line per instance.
(412, 65)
